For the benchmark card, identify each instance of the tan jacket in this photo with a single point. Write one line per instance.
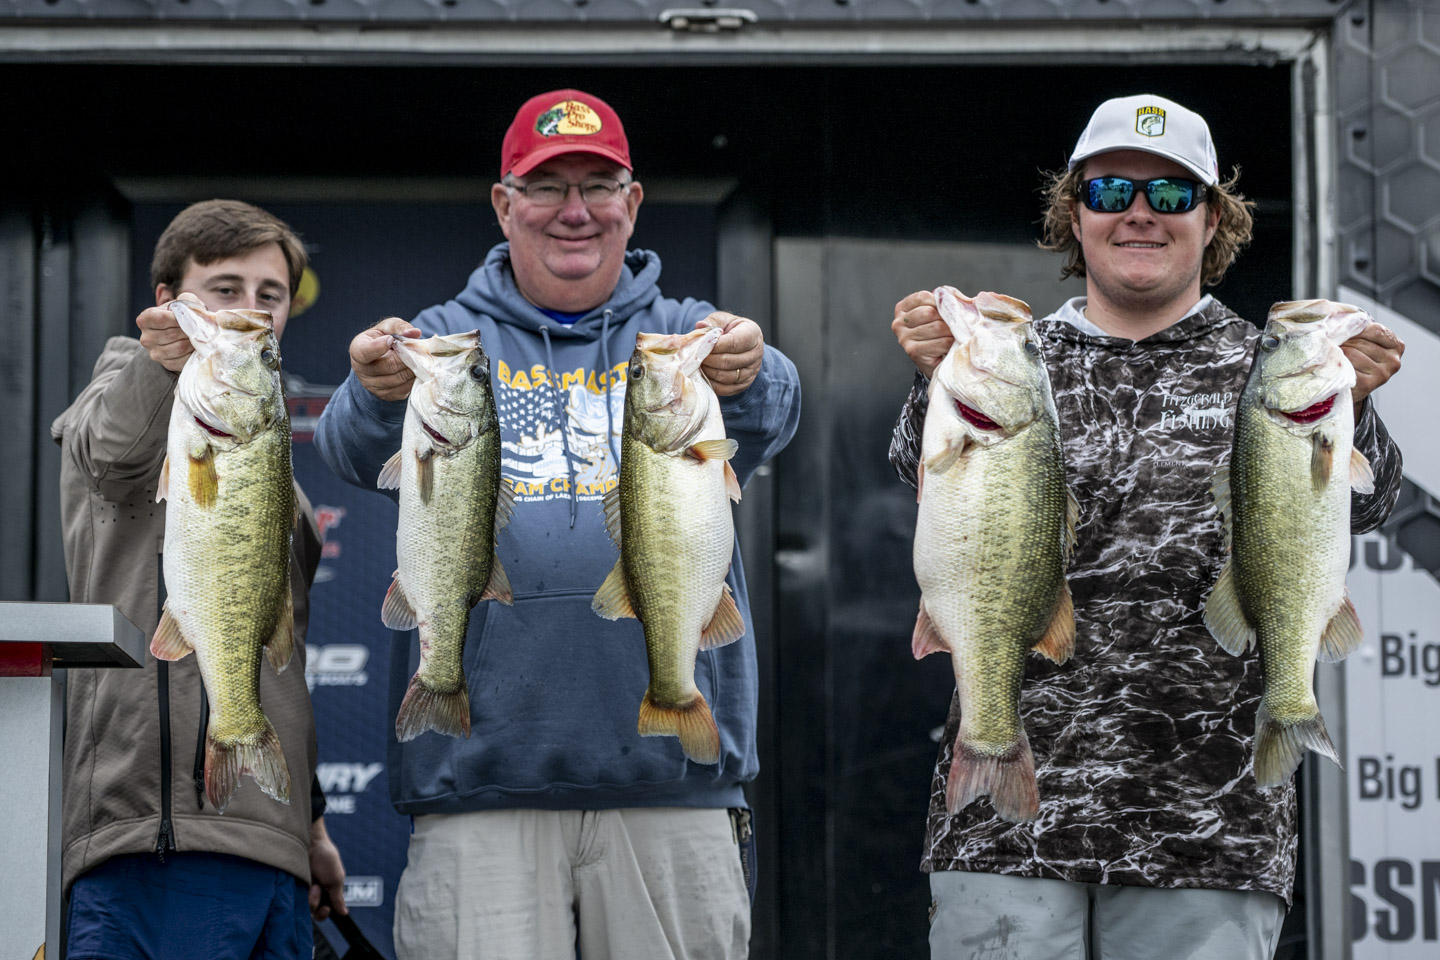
(113, 443)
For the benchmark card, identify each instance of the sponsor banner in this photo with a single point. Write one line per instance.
(1392, 691)
(364, 891)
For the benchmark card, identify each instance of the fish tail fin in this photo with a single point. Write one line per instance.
(1008, 779)
(424, 709)
(692, 723)
(1280, 746)
(264, 760)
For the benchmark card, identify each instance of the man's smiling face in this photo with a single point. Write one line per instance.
(1139, 259)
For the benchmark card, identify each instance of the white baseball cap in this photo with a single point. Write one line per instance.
(1153, 125)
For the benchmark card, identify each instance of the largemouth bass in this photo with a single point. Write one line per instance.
(453, 503)
(994, 534)
(230, 506)
(670, 517)
(1285, 503)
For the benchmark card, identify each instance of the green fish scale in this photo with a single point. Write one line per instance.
(677, 537)
(996, 519)
(232, 572)
(447, 548)
(1286, 538)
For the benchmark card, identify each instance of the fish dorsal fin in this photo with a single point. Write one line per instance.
(726, 626)
(612, 600)
(925, 639)
(504, 505)
(281, 647)
(499, 586)
(1057, 644)
(389, 478)
(612, 514)
(1343, 635)
(1225, 618)
(168, 642)
(1220, 490)
(1072, 520)
(1362, 478)
(397, 612)
(1322, 458)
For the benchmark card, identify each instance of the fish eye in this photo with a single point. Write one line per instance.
(480, 372)
(1269, 342)
(637, 369)
(1032, 348)
(267, 357)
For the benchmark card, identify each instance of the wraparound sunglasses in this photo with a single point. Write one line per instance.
(1164, 194)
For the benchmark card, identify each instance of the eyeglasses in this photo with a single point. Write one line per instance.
(1164, 194)
(552, 193)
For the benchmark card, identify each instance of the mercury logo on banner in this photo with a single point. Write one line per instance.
(341, 781)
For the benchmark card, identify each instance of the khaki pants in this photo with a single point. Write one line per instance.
(635, 884)
(992, 916)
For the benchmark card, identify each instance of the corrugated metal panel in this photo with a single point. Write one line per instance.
(543, 11)
(1387, 82)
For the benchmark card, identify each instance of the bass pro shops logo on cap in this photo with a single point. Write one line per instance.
(568, 118)
(1150, 121)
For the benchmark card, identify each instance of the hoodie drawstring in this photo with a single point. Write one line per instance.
(609, 375)
(564, 422)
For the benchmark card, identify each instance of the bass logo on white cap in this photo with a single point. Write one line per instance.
(568, 118)
(1150, 121)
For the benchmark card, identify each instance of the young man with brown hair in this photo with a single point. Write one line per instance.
(153, 871)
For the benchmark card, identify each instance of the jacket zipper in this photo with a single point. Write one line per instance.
(199, 772)
(166, 838)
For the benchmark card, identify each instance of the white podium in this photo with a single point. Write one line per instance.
(38, 642)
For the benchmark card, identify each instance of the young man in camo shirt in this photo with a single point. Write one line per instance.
(1153, 839)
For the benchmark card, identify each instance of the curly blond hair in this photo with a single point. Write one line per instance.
(1237, 223)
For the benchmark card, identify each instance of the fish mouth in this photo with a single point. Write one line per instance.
(1311, 413)
(975, 418)
(213, 431)
(436, 434)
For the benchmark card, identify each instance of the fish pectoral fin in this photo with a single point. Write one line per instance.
(504, 505)
(1322, 458)
(732, 483)
(1343, 634)
(425, 473)
(726, 626)
(162, 486)
(722, 449)
(1072, 520)
(693, 723)
(389, 478)
(612, 600)
(397, 612)
(1225, 618)
(919, 481)
(204, 481)
(499, 586)
(1058, 642)
(168, 643)
(612, 513)
(946, 458)
(1362, 478)
(281, 646)
(925, 639)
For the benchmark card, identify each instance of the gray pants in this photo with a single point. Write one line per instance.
(638, 884)
(989, 916)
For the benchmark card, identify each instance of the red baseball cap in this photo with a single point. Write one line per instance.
(562, 121)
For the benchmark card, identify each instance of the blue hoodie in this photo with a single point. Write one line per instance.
(554, 689)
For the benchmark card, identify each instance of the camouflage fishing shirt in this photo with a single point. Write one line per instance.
(1142, 740)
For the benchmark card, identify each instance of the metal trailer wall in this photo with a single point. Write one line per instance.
(1369, 218)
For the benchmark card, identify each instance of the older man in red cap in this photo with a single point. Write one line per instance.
(554, 824)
